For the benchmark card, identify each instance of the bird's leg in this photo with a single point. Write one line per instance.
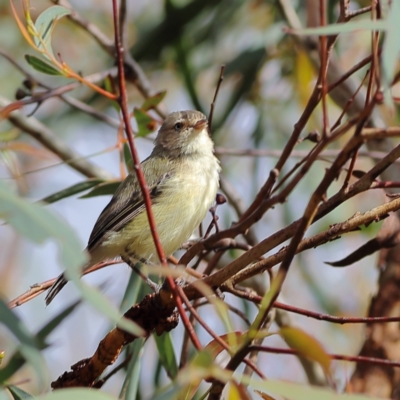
(135, 266)
(220, 199)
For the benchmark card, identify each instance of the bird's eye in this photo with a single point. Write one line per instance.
(178, 126)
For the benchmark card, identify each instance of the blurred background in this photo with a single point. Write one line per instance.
(181, 45)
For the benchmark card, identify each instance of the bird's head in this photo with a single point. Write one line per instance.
(184, 132)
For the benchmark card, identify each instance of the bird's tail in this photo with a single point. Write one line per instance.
(57, 286)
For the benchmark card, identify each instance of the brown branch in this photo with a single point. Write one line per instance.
(152, 314)
(371, 360)
(326, 317)
(39, 288)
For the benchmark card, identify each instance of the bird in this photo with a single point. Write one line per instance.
(182, 175)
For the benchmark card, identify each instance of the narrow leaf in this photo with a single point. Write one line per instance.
(307, 346)
(128, 158)
(73, 393)
(17, 360)
(167, 354)
(18, 394)
(44, 25)
(144, 122)
(131, 383)
(38, 224)
(103, 189)
(153, 101)
(391, 49)
(347, 27)
(72, 190)
(16, 327)
(41, 66)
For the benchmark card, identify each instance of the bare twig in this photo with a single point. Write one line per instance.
(221, 78)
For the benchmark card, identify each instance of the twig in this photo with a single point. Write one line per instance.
(211, 116)
(39, 288)
(330, 318)
(135, 73)
(139, 172)
(376, 361)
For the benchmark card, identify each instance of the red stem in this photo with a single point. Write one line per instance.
(137, 167)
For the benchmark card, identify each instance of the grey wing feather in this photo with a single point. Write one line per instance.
(127, 201)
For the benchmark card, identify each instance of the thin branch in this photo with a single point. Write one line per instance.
(39, 288)
(139, 171)
(212, 107)
(372, 360)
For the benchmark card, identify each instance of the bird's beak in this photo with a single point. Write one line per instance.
(200, 125)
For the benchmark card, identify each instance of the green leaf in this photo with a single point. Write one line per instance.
(8, 136)
(44, 25)
(131, 383)
(68, 394)
(128, 158)
(153, 101)
(144, 122)
(16, 327)
(15, 363)
(110, 87)
(41, 66)
(167, 354)
(131, 293)
(391, 49)
(38, 224)
(296, 391)
(307, 346)
(72, 190)
(103, 189)
(35, 358)
(346, 27)
(50, 326)
(17, 360)
(18, 394)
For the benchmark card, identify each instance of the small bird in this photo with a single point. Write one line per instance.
(182, 175)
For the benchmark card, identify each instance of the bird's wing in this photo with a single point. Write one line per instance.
(128, 202)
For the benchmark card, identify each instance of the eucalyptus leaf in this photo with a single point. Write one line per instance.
(38, 224)
(41, 66)
(73, 393)
(131, 292)
(144, 122)
(103, 189)
(44, 25)
(296, 391)
(18, 394)
(153, 101)
(128, 158)
(391, 49)
(345, 27)
(167, 355)
(17, 360)
(16, 327)
(71, 190)
(130, 386)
